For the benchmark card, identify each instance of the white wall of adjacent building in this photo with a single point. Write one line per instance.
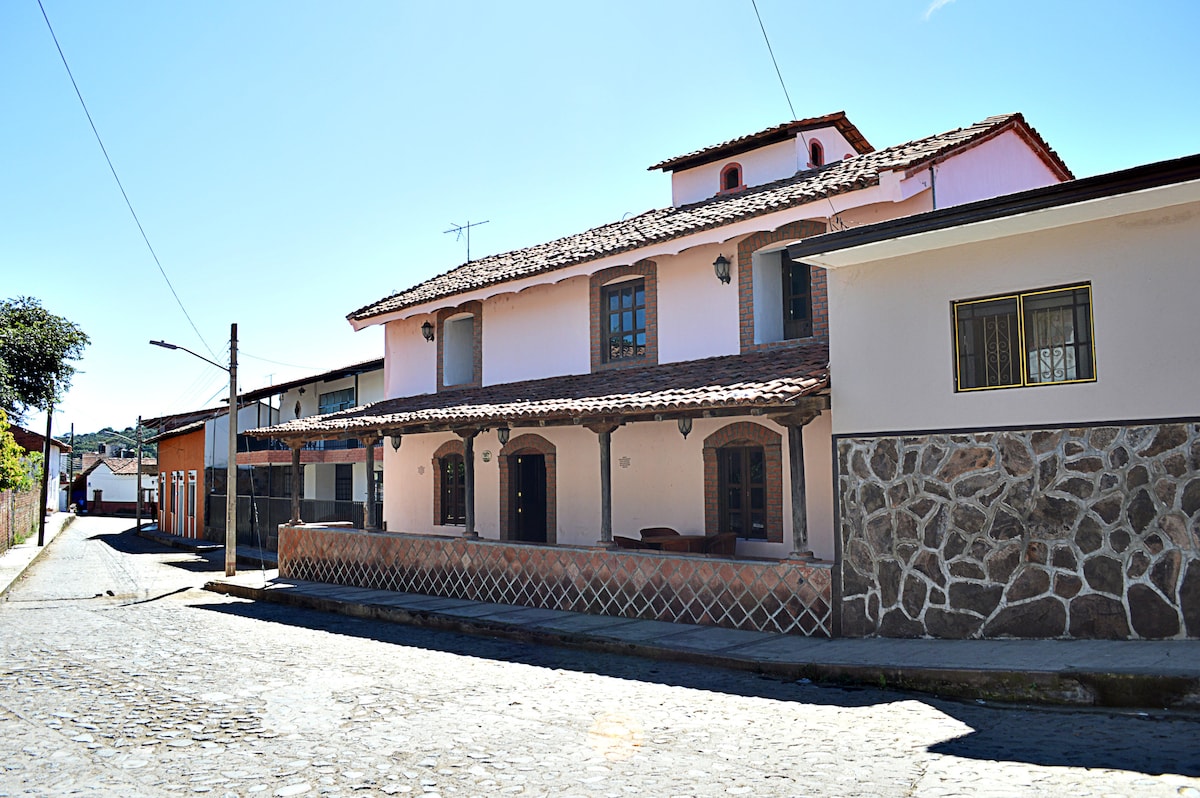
(891, 326)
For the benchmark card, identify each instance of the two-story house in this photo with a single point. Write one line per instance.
(666, 372)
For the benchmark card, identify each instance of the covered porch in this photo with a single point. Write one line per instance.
(655, 542)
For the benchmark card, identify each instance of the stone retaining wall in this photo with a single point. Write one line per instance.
(759, 595)
(1080, 533)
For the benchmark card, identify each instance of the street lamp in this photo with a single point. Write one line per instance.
(231, 466)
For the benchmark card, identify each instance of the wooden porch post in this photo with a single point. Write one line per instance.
(468, 437)
(297, 485)
(795, 423)
(371, 521)
(604, 432)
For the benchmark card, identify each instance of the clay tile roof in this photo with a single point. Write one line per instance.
(770, 379)
(788, 130)
(665, 224)
(127, 466)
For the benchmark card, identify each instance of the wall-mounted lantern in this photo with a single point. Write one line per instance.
(685, 426)
(502, 435)
(721, 267)
(427, 331)
(395, 439)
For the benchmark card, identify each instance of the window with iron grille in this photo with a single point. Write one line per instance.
(454, 489)
(742, 486)
(335, 400)
(343, 482)
(624, 313)
(1031, 338)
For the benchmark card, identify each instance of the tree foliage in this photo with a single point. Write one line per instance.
(18, 468)
(36, 350)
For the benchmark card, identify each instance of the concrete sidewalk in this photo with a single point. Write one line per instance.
(1142, 674)
(14, 561)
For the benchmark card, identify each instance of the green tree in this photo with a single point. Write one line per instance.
(18, 468)
(36, 350)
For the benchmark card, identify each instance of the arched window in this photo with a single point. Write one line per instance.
(731, 177)
(743, 478)
(816, 154)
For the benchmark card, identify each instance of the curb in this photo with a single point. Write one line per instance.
(200, 547)
(1052, 688)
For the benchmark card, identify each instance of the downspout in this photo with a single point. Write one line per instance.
(933, 184)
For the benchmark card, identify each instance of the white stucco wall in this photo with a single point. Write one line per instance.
(410, 362)
(116, 487)
(1001, 165)
(539, 332)
(892, 339)
(216, 433)
(772, 162)
(697, 314)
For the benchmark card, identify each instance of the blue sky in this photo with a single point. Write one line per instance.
(293, 161)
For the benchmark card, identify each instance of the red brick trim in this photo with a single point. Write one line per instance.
(529, 443)
(743, 433)
(741, 176)
(449, 447)
(475, 308)
(648, 270)
(791, 231)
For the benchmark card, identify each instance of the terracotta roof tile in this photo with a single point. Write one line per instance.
(782, 132)
(775, 378)
(665, 224)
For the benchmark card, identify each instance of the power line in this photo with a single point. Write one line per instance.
(769, 50)
(113, 169)
(244, 353)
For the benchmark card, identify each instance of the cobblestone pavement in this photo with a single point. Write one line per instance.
(119, 677)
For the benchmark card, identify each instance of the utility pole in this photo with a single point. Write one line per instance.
(71, 467)
(45, 478)
(138, 435)
(231, 468)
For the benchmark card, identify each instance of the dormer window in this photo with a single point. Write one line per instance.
(731, 177)
(816, 154)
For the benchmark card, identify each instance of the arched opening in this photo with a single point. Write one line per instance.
(528, 490)
(731, 177)
(816, 154)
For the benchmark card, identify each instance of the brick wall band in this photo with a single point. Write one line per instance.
(757, 595)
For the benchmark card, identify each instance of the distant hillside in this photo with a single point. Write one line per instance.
(122, 439)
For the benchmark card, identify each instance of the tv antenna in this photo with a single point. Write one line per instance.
(459, 229)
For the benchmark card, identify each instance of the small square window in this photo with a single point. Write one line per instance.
(1032, 338)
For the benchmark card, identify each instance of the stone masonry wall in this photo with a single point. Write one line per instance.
(1073, 533)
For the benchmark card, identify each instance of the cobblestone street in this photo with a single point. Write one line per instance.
(122, 678)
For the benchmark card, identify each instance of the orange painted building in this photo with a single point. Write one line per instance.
(181, 480)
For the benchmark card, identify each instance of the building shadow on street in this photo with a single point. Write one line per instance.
(1129, 741)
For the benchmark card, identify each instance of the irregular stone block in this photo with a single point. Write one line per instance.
(913, 594)
(1103, 574)
(964, 569)
(928, 563)
(1137, 564)
(1168, 437)
(968, 519)
(979, 599)
(1067, 585)
(931, 459)
(1189, 598)
(1036, 552)
(1098, 617)
(870, 497)
(879, 534)
(1029, 583)
(951, 625)
(1102, 437)
(923, 506)
(898, 494)
(1046, 440)
(1015, 456)
(1175, 465)
(1141, 511)
(1064, 557)
(1118, 457)
(855, 583)
(1174, 526)
(1078, 487)
(1085, 465)
(854, 619)
(1002, 563)
(1118, 541)
(1190, 502)
(1045, 617)
(1150, 614)
(905, 527)
(1054, 513)
(890, 574)
(1108, 509)
(1164, 490)
(1138, 476)
(884, 459)
(955, 545)
(966, 459)
(896, 624)
(970, 485)
(1165, 573)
